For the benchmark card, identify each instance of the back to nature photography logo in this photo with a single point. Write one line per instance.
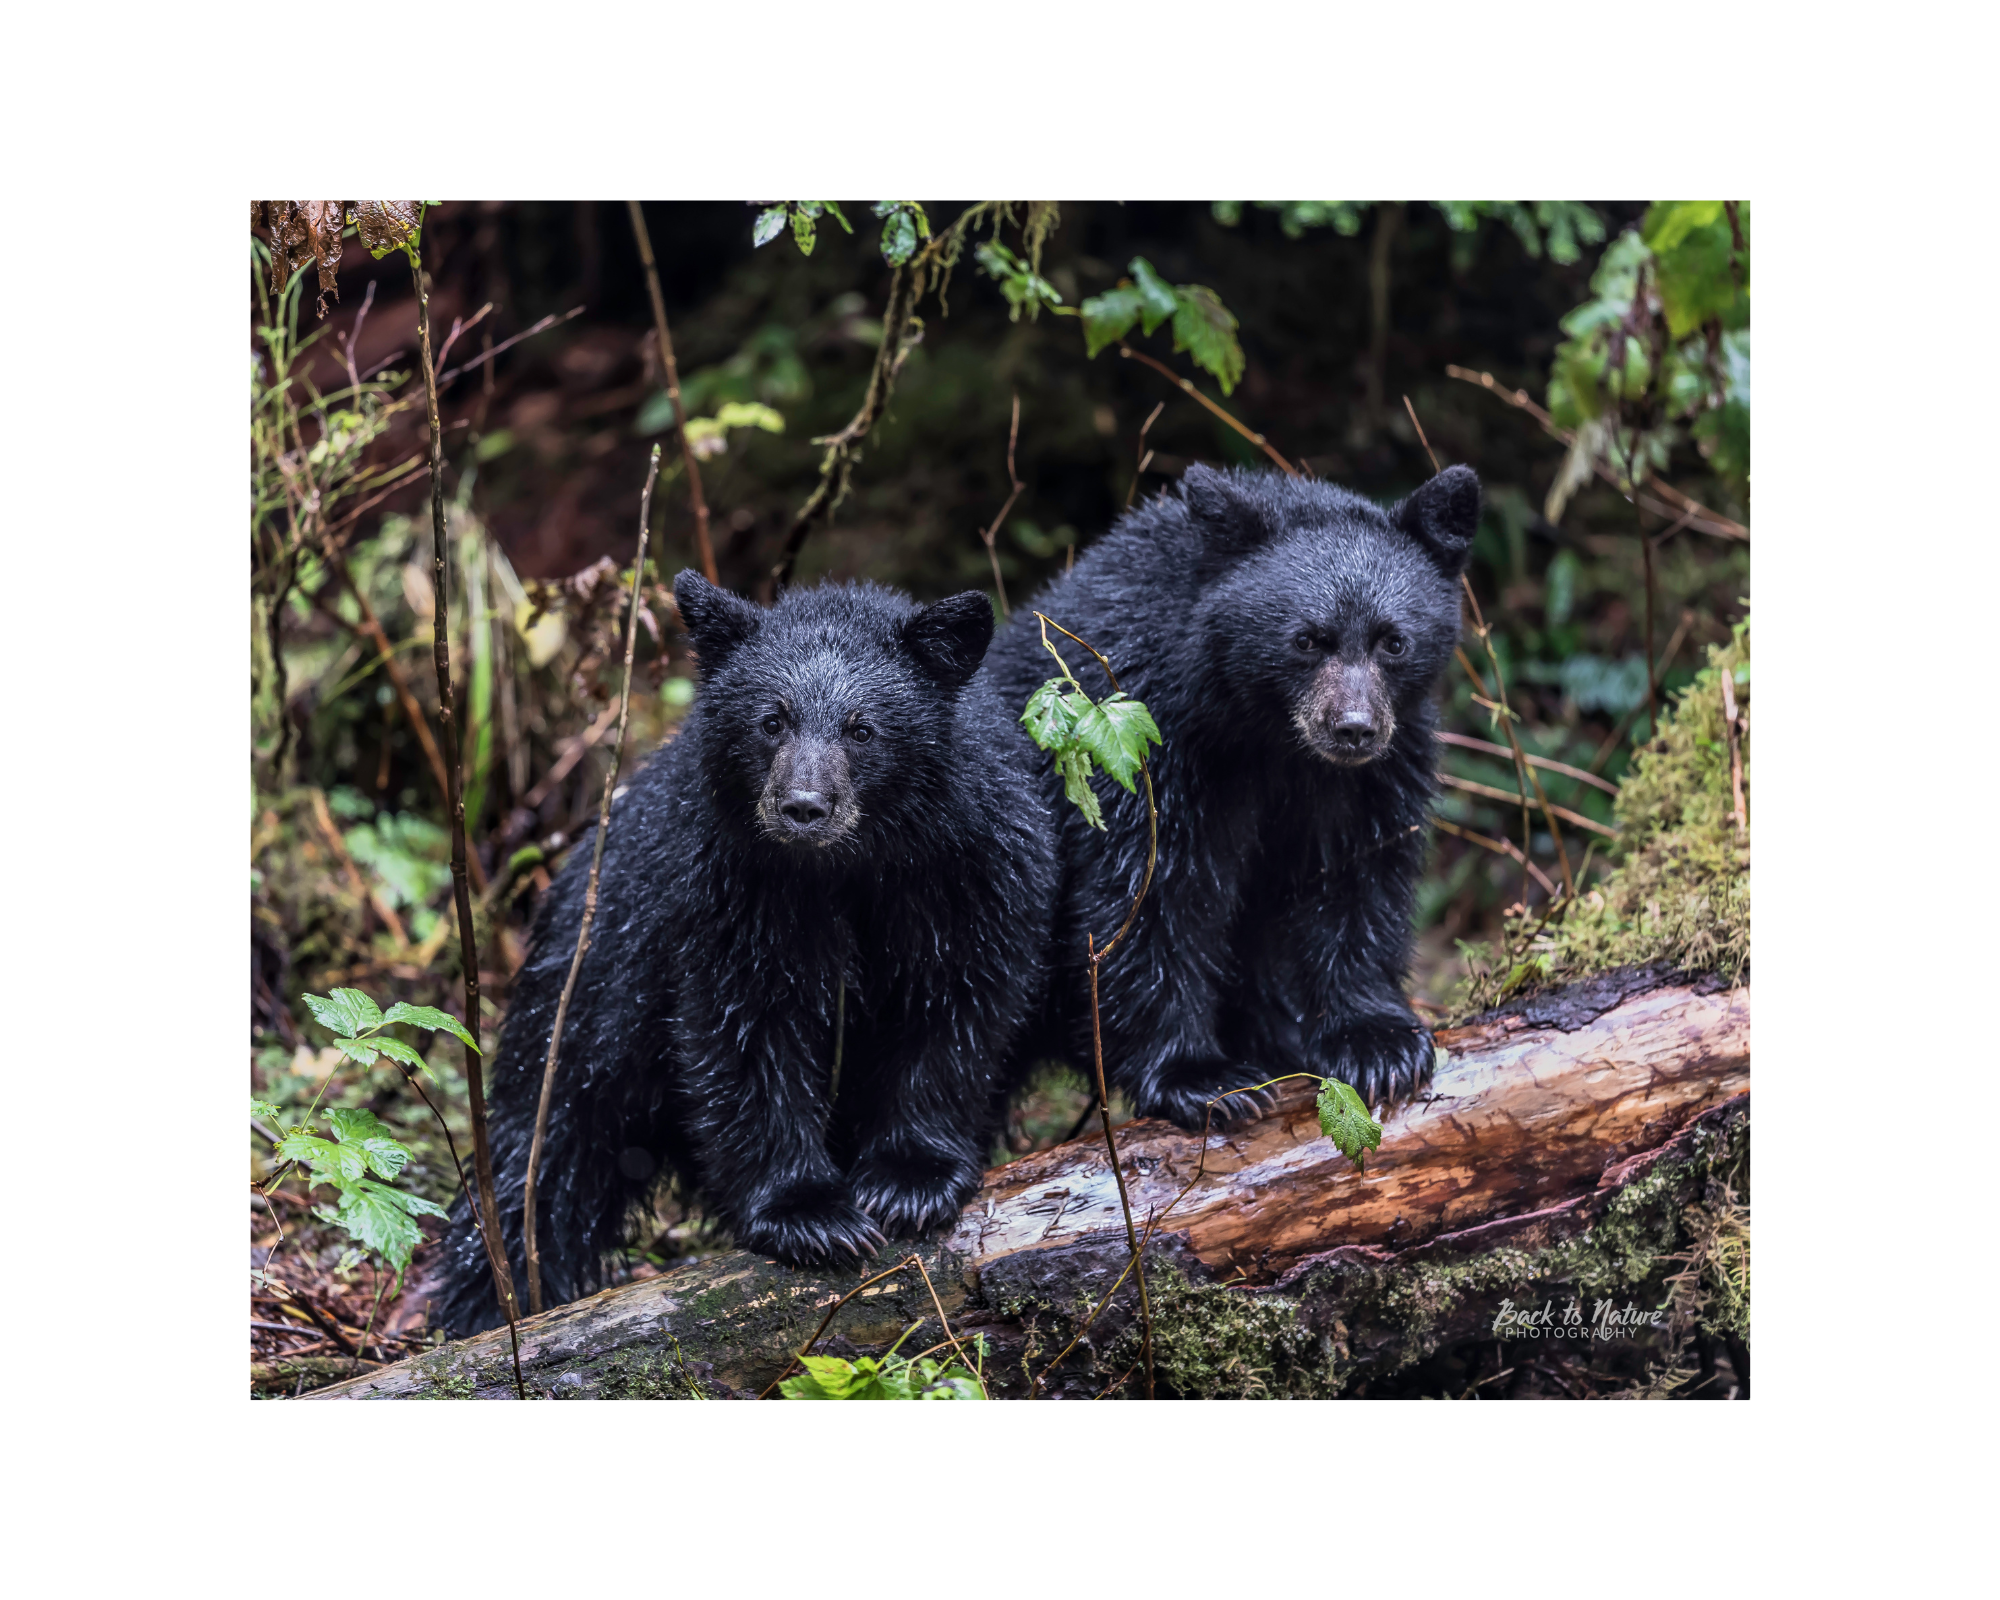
(1608, 1320)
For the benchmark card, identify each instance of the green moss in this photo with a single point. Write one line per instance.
(1680, 888)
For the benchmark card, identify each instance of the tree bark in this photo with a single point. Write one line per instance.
(1554, 1153)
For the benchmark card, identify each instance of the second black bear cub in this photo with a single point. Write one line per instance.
(847, 833)
(1287, 636)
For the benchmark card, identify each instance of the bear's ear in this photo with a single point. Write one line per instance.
(1443, 516)
(716, 620)
(949, 639)
(1232, 516)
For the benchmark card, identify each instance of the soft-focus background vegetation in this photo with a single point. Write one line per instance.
(1628, 322)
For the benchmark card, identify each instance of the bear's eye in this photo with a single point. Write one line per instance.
(861, 733)
(1392, 644)
(774, 725)
(1302, 640)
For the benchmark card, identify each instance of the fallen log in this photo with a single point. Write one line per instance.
(1553, 1157)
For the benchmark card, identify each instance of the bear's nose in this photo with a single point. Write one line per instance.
(1353, 729)
(805, 807)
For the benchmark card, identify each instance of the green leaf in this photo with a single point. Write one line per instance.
(1343, 1118)
(770, 223)
(364, 1051)
(747, 414)
(263, 1110)
(330, 1162)
(1204, 328)
(431, 1018)
(1074, 765)
(331, 1011)
(1668, 222)
(899, 239)
(396, 1050)
(364, 1010)
(1157, 300)
(1116, 732)
(384, 1219)
(1108, 317)
(1052, 713)
(802, 230)
(361, 1129)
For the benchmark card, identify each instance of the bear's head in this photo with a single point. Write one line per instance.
(1322, 613)
(828, 717)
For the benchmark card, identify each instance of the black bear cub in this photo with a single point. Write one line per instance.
(1287, 636)
(847, 827)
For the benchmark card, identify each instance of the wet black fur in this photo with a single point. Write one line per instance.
(700, 1038)
(1276, 935)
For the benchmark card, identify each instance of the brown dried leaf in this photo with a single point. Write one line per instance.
(302, 231)
(388, 224)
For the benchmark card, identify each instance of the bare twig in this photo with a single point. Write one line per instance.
(589, 900)
(1096, 958)
(1700, 518)
(1659, 673)
(468, 946)
(1145, 456)
(906, 284)
(988, 534)
(338, 846)
(1465, 741)
(572, 752)
(1196, 395)
(703, 547)
(485, 356)
(1733, 726)
(833, 1311)
(1487, 791)
(1502, 847)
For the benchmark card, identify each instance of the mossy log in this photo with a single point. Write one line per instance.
(1555, 1151)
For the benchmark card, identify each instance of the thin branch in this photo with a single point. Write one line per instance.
(1500, 847)
(1666, 660)
(1145, 456)
(833, 1311)
(1487, 746)
(1096, 957)
(906, 284)
(1195, 394)
(362, 892)
(703, 547)
(1523, 770)
(485, 356)
(1487, 791)
(589, 899)
(1732, 724)
(1700, 516)
(468, 945)
(988, 534)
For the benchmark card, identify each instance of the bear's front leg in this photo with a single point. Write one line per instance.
(758, 1097)
(915, 1129)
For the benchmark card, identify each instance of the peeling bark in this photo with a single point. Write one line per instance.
(1557, 1146)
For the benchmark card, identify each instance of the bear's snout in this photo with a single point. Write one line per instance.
(808, 797)
(1345, 715)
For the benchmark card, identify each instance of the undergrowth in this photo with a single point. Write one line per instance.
(1679, 891)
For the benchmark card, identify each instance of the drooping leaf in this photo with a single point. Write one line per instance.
(1052, 713)
(769, 224)
(802, 229)
(1074, 765)
(1116, 732)
(384, 1219)
(1343, 1118)
(365, 1051)
(1205, 329)
(431, 1018)
(387, 225)
(1157, 299)
(1108, 317)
